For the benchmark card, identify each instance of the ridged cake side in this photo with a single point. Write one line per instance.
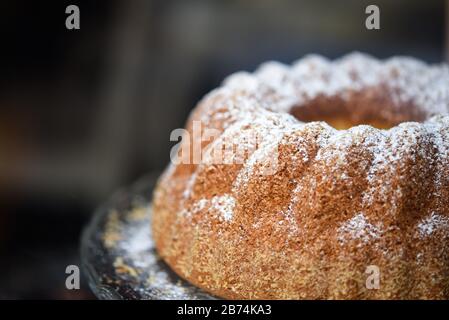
(336, 201)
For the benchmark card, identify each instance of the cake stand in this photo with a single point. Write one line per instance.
(118, 254)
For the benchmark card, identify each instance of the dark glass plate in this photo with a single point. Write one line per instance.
(118, 254)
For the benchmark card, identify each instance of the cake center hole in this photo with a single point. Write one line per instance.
(372, 110)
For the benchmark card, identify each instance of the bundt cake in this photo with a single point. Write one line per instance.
(308, 176)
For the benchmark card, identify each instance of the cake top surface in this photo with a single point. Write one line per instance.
(255, 107)
(411, 79)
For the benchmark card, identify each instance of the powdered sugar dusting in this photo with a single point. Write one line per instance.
(433, 223)
(224, 205)
(289, 214)
(358, 227)
(137, 243)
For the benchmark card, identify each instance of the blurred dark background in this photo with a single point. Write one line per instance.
(83, 112)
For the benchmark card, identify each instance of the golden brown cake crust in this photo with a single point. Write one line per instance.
(336, 201)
